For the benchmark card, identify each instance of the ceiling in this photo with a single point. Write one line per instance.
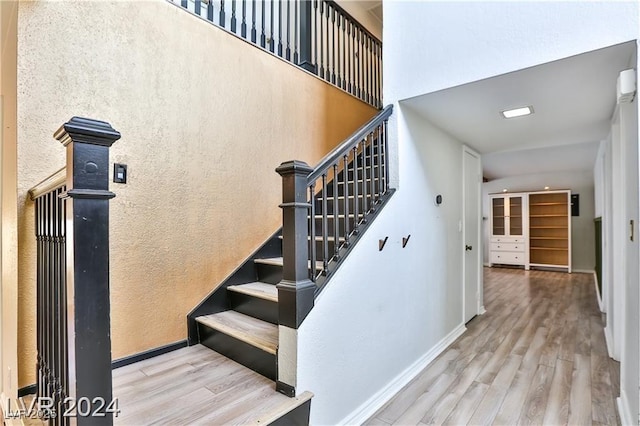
(573, 101)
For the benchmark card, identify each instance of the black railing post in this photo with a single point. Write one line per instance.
(306, 36)
(89, 347)
(296, 291)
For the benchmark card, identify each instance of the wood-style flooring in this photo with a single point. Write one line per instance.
(196, 386)
(537, 356)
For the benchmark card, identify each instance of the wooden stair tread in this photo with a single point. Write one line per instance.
(258, 289)
(253, 331)
(277, 261)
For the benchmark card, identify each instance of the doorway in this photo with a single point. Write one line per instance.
(472, 273)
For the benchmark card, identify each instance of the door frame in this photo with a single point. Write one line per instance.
(479, 285)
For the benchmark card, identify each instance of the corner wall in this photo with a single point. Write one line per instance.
(384, 312)
(582, 227)
(205, 119)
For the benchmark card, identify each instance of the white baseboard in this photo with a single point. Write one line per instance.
(487, 264)
(609, 341)
(482, 310)
(595, 281)
(373, 404)
(626, 417)
(583, 271)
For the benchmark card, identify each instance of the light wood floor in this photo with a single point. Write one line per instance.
(196, 385)
(538, 356)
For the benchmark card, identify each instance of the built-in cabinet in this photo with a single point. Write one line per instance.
(531, 229)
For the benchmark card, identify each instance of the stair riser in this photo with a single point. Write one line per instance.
(243, 353)
(265, 310)
(271, 274)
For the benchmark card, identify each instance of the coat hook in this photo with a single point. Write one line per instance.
(405, 240)
(381, 243)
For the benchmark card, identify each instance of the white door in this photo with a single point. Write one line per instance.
(471, 233)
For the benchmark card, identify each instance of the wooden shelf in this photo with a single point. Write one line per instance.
(550, 248)
(548, 227)
(547, 238)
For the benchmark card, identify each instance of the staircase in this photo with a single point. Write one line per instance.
(240, 318)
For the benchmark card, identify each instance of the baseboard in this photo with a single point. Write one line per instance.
(148, 354)
(622, 403)
(482, 310)
(595, 282)
(609, 341)
(27, 390)
(487, 264)
(373, 404)
(583, 271)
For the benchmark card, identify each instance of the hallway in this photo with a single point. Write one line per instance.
(537, 356)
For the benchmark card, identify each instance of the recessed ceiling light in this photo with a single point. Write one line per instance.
(546, 187)
(504, 190)
(517, 112)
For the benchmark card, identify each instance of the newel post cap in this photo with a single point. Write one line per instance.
(294, 167)
(87, 130)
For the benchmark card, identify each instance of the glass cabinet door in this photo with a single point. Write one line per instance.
(515, 215)
(498, 213)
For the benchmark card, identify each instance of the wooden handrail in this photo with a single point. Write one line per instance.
(49, 184)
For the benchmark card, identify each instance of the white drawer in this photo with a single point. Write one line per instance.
(507, 240)
(515, 247)
(508, 258)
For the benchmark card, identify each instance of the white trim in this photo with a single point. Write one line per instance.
(598, 296)
(487, 264)
(482, 310)
(373, 404)
(608, 338)
(622, 403)
(479, 257)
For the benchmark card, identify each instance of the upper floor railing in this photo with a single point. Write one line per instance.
(317, 35)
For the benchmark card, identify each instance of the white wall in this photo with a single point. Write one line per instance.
(582, 227)
(384, 311)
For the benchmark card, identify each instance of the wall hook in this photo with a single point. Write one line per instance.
(405, 240)
(381, 243)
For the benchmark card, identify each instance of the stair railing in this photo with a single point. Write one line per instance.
(73, 309)
(326, 209)
(316, 35)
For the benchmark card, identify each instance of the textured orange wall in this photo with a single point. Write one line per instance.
(205, 119)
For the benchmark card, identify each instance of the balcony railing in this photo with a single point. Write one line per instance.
(317, 35)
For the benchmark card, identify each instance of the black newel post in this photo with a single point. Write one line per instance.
(296, 290)
(89, 337)
(306, 36)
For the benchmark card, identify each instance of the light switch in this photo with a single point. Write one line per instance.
(120, 173)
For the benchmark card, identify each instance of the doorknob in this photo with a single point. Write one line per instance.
(468, 247)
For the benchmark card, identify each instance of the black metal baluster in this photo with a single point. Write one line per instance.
(243, 25)
(253, 21)
(349, 54)
(339, 77)
(374, 72)
(333, 45)
(386, 157)
(321, 37)
(312, 231)
(39, 310)
(65, 336)
(379, 149)
(197, 4)
(233, 16)
(222, 16)
(55, 336)
(279, 26)
(272, 38)
(325, 226)
(288, 50)
(358, 59)
(344, 52)
(263, 37)
(367, 67)
(210, 11)
(379, 65)
(345, 185)
(372, 189)
(356, 205)
(295, 31)
(365, 201)
(49, 298)
(336, 212)
(327, 74)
